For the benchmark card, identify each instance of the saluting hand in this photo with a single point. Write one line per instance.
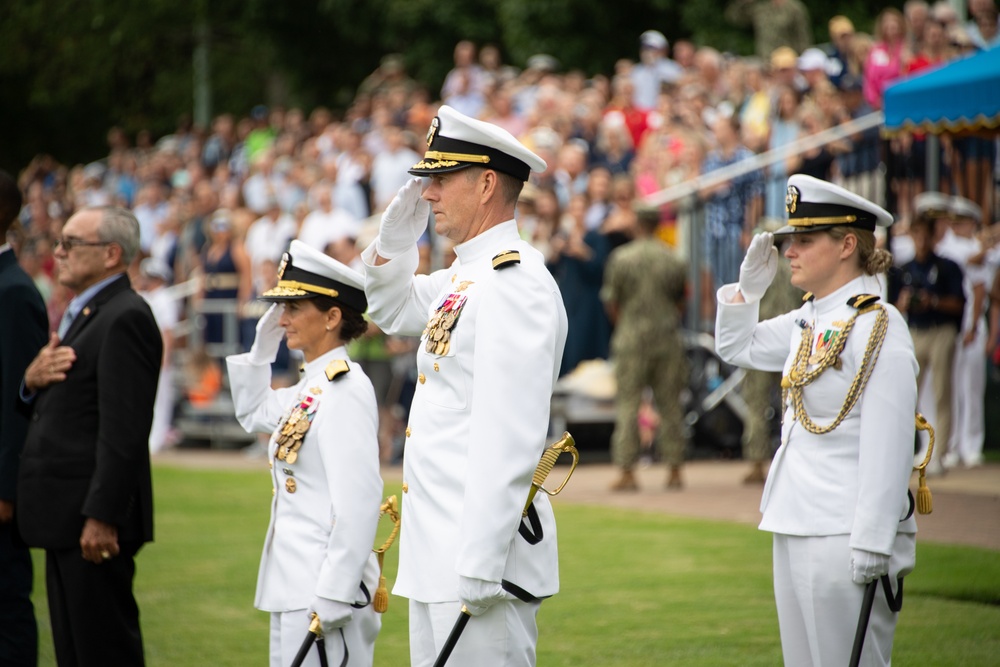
(759, 267)
(50, 366)
(268, 336)
(404, 220)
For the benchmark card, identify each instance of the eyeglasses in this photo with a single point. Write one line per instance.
(68, 243)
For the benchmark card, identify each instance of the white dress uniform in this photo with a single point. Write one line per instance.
(325, 506)
(846, 489)
(968, 423)
(479, 417)
(326, 497)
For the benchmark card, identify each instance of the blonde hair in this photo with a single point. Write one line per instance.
(872, 260)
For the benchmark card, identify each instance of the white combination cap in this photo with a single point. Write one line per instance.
(455, 141)
(932, 205)
(305, 272)
(960, 207)
(814, 205)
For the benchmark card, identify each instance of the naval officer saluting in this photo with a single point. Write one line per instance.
(323, 454)
(836, 494)
(492, 330)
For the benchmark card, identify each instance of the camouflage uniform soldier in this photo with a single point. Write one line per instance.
(759, 386)
(643, 292)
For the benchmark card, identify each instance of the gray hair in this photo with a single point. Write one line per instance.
(118, 225)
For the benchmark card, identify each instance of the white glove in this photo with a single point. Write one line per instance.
(867, 565)
(404, 220)
(758, 267)
(268, 337)
(478, 595)
(332, 613)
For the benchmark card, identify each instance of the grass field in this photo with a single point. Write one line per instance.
(638, 589)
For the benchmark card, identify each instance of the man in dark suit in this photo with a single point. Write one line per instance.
(84, 489)
(22, 334)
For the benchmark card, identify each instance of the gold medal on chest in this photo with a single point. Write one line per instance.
(293, 426)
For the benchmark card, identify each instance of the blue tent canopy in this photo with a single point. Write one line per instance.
(962, 96)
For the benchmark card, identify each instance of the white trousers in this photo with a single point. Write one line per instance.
(968, 427)
(163, 410)
(504, 636)
(819, 604)
(289, 629)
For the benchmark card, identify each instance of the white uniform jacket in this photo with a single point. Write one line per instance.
(853, 480)
(325, 507)
(479, 417)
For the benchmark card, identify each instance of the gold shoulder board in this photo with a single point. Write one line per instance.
(506, 258)
(807, 297)
(861, 301)
(336, 368)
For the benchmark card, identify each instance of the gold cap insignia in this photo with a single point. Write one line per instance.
(432, 130)
(282, 265)
(336, 368)
(792, 199)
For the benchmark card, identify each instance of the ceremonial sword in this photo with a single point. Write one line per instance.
(566, 444)
(380, 602)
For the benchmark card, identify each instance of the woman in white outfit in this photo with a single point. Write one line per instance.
(836, 497)
(324, 462)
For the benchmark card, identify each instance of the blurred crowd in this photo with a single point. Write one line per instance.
(218, 205)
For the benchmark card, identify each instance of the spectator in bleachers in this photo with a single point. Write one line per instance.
(785, 128)
(226, 274)
(580, 253)
(326, 224)
(915, 13)
(841, 35)
(816, 162)
(982, 26)
(266, 240)
(654, 69)
(389, 167)
(731, 209)
(888, 56)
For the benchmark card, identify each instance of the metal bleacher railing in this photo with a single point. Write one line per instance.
(691, 209)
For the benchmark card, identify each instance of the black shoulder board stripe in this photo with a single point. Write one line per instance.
(860, 301)
(506, 258)
(336, 368)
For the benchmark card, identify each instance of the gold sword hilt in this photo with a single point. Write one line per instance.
(566, 444)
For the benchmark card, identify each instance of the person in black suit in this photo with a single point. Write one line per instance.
(84, 488)
(22, 333)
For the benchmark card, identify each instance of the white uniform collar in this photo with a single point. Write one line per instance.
(487, 242)
(834, 301)
(318, 365)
